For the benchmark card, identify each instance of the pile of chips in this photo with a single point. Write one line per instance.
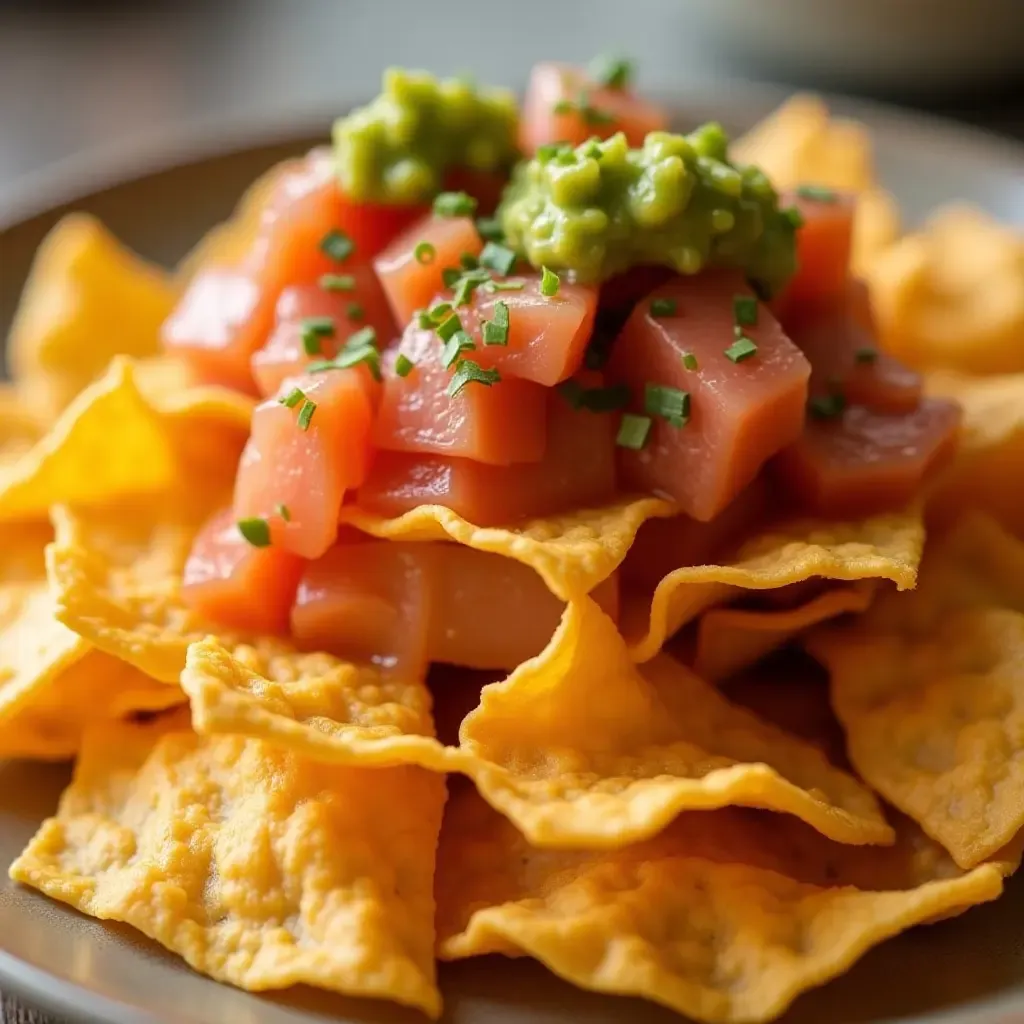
(614, 808)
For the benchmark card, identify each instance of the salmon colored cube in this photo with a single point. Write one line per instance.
(368, 600)
(577, 471)
(292, 346)
(547, 336)
(845, 358)
(500, 424)
(307, 468)
(411, 274)
(563, 105)
(861, 462)
(823, 246)
(230, 582)
(742, 410)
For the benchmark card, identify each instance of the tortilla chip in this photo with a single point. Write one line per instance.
(952, 295)
(20, 425)
(876, 226)
(930, 690)
(725, 917)
(107, 444)
(87, 299)
(572, 770)
(316, 704)
(990, 452)
(572, 553)
(258, 868)
(882, 547)
(732, 639)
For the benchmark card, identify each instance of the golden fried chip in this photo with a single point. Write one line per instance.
(876, 226)
(316, 704)
(881, 547)
(731, 639)
(724, 917)
(579, 748)
(87, 299)
(952, 295)
(108, 443)
(572, 553)
(259, 868)
(20, 425)
(930, 690)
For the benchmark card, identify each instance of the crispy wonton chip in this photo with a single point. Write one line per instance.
(572, 553)
(929, 687)
(882, 547)
(316, 704)
(258, 867)
(108, 443)
(87, 299)
(579, 747)
(952, 295)
(800, 144)
(724, 917)
(731, 639)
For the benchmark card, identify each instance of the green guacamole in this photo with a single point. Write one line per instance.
(398, 147)
(602, 208)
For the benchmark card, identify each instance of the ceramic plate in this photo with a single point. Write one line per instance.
(159, 199)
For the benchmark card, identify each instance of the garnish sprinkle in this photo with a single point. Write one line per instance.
(744, 310)
(284, 512)
(495, 330)
(549, 282)
(337, 282)
(468, 372)
(256, 531)
(355, 311)
(499, 258)
(668, 403)
(634, 431)
(424, 253)
(664, 307)
(489, 229)
(817, 193)
(403, 365)
(611, 72)
(454, 204)
(447, 327)
(337, 245)
(312, 329)
(306, 414)
(293, 398)
(742, 348)
(689, 361)
(458, 343)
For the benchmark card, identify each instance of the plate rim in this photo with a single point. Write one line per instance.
(82, 175)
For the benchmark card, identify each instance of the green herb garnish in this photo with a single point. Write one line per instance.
(424, 253)
(495, 330)
(489, 229)
(355, 311)
(669, 403)
(634, 431)
(549, 282)
(337, 282)
(742, 348)
(664, 307)
(611, 72)
(458, 343)
(689, 361)
(817, 193)
(306, 414)
(403, 365)
(450, 276)
(256, 531)
(312, 331)
(468, 372)
(284, 512)
(827, 407)
(337, 245)
(744, 310)
(454, 204)
(448, 326)
(293, 398)
(498, 258)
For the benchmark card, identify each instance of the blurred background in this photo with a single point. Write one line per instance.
(89, 76)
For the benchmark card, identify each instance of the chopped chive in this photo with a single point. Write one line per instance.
(669, 403)
(355, 311)
(284, 512)
(306, 414)
(450, 276)
(495, 330)
(454, 204)
(312, 329)
(468, 372)
(866, 354)
(611, 72)
(439, 311)
(458, 343)
(499, 258)
(744, 310)
(424, 320)
(817, 193)
(511, 285)
(256, 531)
(468, 261)
(467, 284)
(664, 307)
(742, 348)
(424, 253)
(337, 245)
(337, 282)
(689, 361)
(827, 407)
(403, 365)
(368, 355)
(448, 326)
(489, 229)
(794, 216)
(549, 282)
(594, 116)
(634, 431)
(293, 398)
(563, 107)
(364, 336)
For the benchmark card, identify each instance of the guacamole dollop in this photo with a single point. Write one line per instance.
(603, 207)
(397, 148)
